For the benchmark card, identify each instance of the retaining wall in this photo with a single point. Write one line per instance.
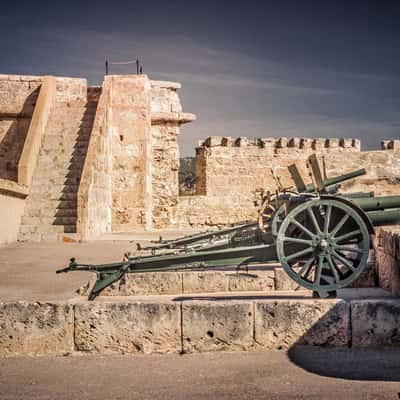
(165, 326)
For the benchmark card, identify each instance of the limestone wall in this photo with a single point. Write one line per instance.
(12, 205)
(18, 95)
(95, 189)
(166, 119)
(131, 151)
(142, 118)
(232, 174)
(387, 251)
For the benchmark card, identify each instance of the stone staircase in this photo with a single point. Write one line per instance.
(51, 208)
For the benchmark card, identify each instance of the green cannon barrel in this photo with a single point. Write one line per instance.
(383, 217)
(377, 203)
(337, 179)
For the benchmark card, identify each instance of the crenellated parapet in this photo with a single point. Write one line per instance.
(390, 145)
(279, 145)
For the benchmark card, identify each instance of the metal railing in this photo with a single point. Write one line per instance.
(139, 66)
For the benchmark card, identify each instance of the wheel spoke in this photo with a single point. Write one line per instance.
(347, 235)
(314, 220)
(327, 219)
(344, 261)
(352, 249)
(303, 228)
(333, 268)
(297, 240)
(306, 268)
(317, 280)
(340, 224)
(299, 253)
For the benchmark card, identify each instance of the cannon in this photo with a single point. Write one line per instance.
(320, 236)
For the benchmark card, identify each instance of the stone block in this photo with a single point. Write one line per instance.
(151, 283)
(35, 329)
(375, 322)
(213, 141)
(283, 281)
(253, 281)
(114, 327)
(284, 323)
(203, 282)
(221, 325)
(367, 278)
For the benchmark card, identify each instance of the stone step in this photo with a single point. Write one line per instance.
(59, 212)
(262, 279)
(203, 323)
(53, 203)
(44, 191)
(65, 221)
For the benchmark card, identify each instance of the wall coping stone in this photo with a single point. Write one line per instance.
(166, 84)
(170, 117)
(14, 189)
(283, 142)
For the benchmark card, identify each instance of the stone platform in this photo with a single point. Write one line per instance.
(40, 313)
(199, 323)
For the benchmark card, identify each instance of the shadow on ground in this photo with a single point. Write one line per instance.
(369, 364)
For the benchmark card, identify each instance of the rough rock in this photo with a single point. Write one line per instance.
(254, 280)
(284, 323)
(221, 325)
(375, 322)
(33, 329)
(151, 283)
(128, 327)
(208, 281)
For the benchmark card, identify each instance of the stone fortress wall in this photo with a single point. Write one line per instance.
(106, 160)
(232, 174)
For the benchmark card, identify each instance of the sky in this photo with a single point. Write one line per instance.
(248, 68)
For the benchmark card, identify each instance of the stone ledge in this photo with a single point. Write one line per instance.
(210, 281)
(375, 322)
(167, 325)
(284, 323)
(170, 117)
(11, 188)
(127, 327)
(166, 84)
(20, 78)
(213, 326)
(36, 329)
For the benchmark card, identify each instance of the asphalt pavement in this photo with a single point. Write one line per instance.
(303, 373)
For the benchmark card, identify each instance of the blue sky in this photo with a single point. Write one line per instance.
(256, 69)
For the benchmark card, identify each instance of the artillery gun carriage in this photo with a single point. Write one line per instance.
(320, 236)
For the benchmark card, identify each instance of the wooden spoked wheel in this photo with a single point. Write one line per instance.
(323, 244)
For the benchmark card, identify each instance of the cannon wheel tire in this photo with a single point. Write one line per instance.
(323, 244)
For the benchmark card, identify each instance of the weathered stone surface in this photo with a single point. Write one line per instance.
(210, 326)
(229, 179)
(367, 278)
(201, 282)
(33, 329)
(151, 283)
(284, 323)
(387, 250)
(253, 281)
(127, 327)
(283, 281)
(375, 322)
